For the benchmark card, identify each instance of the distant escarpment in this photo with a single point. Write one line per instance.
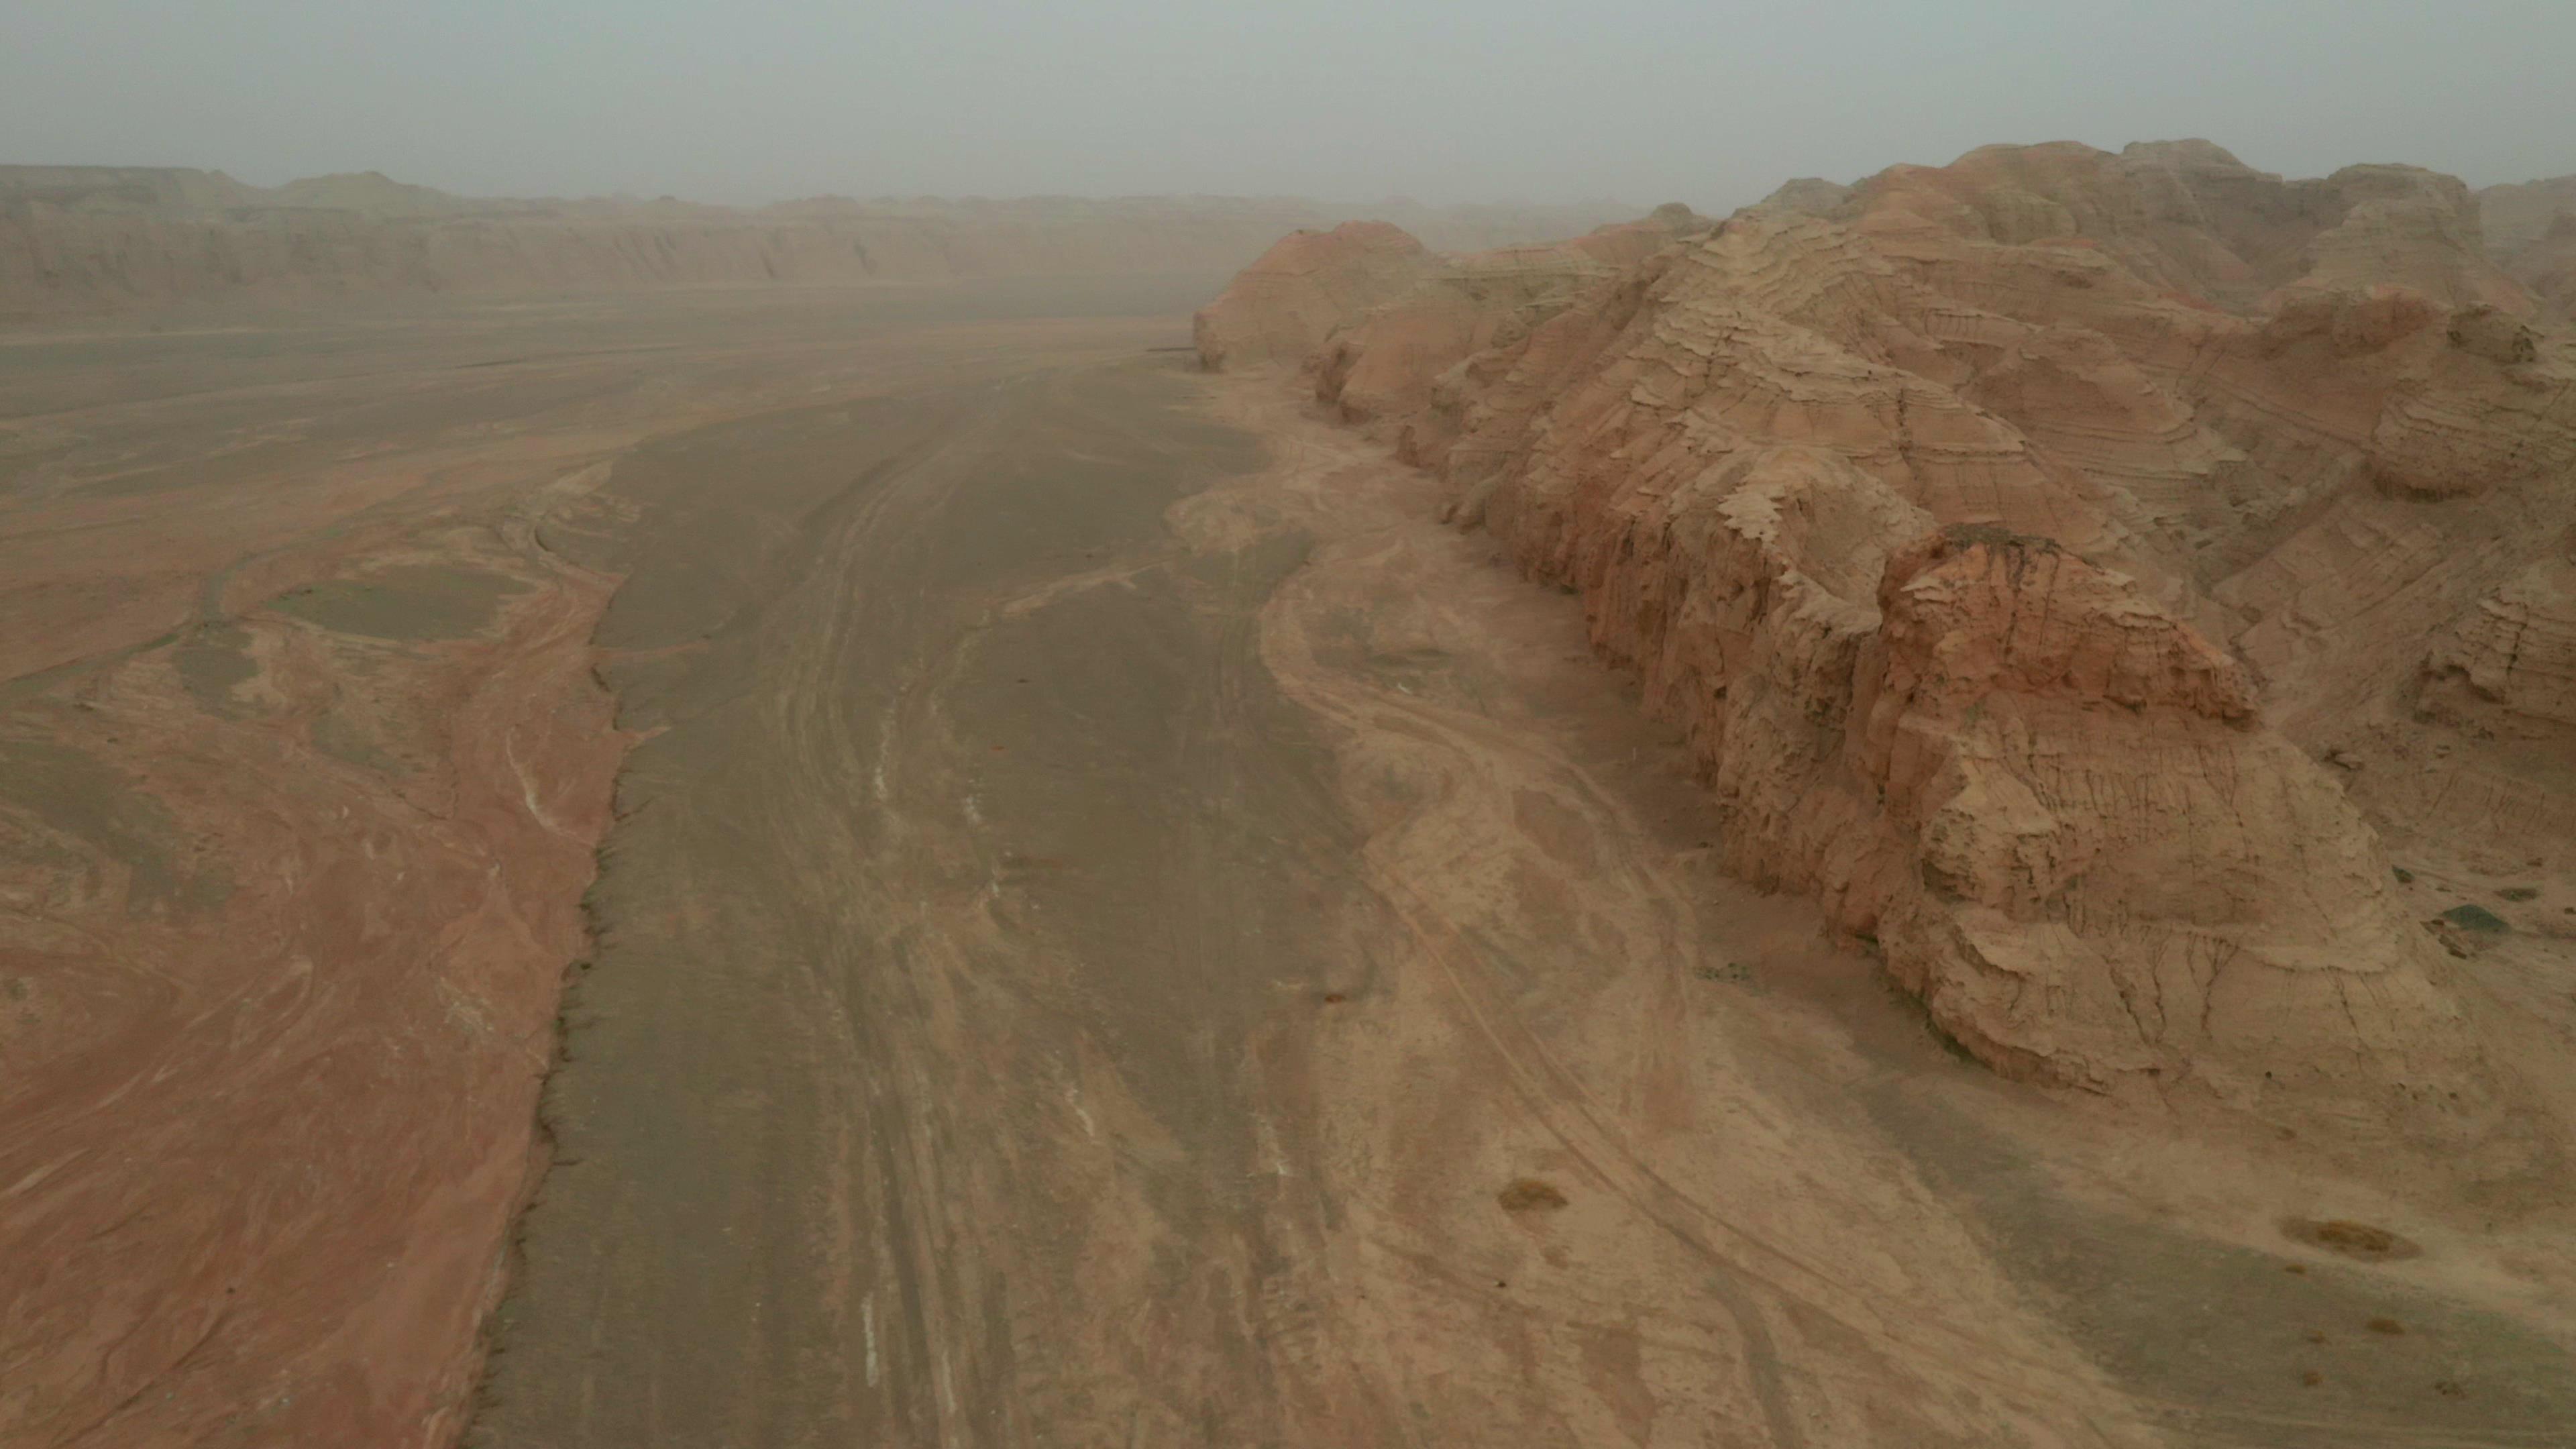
(2011, 539)
(78, 241)
(2531, 233)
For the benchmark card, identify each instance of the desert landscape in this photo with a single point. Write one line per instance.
(1939, 811)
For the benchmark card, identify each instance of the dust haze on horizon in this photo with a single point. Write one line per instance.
(1635, 100)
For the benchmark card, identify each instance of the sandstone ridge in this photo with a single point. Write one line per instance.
(2012, 539)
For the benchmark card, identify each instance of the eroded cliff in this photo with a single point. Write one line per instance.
(2013, 540)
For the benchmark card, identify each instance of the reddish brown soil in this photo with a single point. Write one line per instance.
(303, 763)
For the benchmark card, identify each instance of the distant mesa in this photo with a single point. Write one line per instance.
(85, 241)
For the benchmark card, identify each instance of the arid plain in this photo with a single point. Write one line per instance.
(908, 864)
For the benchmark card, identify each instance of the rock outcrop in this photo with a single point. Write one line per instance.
(2510, 664)
(1422, 311)
(2002, 534)
(2098, 864)
(1285, 304)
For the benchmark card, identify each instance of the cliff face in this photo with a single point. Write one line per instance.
(2001, 534)
(78, 241)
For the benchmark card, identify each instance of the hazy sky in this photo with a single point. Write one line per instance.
(1637, 100)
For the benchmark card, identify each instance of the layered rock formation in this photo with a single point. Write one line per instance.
(1300, 290)
(2008, 535)
(78, 241)
(2190, 218)
(2510, 663)
(1396, 313)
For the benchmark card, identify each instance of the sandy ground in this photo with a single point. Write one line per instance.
(1114, 927)
(302, 767)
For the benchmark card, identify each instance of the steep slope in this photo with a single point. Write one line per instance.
(2011, 537)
